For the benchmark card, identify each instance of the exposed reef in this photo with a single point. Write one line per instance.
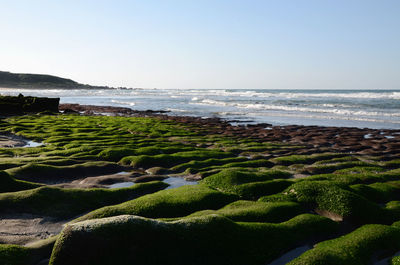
(262, 191)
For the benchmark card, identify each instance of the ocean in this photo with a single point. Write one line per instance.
(378, 109)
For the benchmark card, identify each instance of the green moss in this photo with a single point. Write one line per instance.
(7, 163)
(378, 192)
(336, 160)
(210, 239)
(14, 255)
(8, 183)
(255, 190)
(250, 211)
(196, 165)
(395, 260)
(327, 196)
(280, 197)
(327, 168)
(116, 154)
(360, 170)
(73, 151)
(27, 255)
(358, 247)
(167, 203)
(63, 203)
(248, 183)
(392, 164)
(77, 145)
(355, 178)
(49, 173)
(303, 159)
(170, 160)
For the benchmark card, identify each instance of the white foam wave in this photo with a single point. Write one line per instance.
(196, 93)
(355, 95)
(214, 102)
(286, 95)
(286, 108)
(323, 117)
(123, 102)
(178, 110)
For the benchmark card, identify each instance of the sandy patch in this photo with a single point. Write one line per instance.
(333, 216)
(22, 229)
(7, 141)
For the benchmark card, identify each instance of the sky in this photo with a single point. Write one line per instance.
(187, 44)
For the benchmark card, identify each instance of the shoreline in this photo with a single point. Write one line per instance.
(338, 139)
(346, 108)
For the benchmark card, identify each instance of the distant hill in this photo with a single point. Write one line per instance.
(15, 80)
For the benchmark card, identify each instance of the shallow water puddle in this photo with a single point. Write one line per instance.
(122, 173)
(175, 182)
(32, 144)
(121, 185)
(12, 141)
(292, 254)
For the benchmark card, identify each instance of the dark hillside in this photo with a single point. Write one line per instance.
(17, 80)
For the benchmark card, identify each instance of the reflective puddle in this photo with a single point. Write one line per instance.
(123, 173)
(121, 185)
(32, 144)
(175, 182)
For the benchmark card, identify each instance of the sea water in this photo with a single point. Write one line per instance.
(350, 108)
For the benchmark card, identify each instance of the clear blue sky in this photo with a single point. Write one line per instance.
(206, 44)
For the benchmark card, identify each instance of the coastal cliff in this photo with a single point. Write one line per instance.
(18, 80)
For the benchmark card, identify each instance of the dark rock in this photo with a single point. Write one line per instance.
(11, 105)
(70, 111)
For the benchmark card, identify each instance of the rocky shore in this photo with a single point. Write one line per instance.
(338, 139)
(97, 191)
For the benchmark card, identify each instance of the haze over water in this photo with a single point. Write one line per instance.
(349, 108)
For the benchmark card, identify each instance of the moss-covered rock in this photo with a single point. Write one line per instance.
(250, 211)
(210, 239)
(27, 255)
(167, 203)
(56, 174)
(67, 203)
(208, 223)
(379, 192)
(9, 184)
(358, 247)
(170, 160)
(13, 255)
(328, 197)
(304, 159)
